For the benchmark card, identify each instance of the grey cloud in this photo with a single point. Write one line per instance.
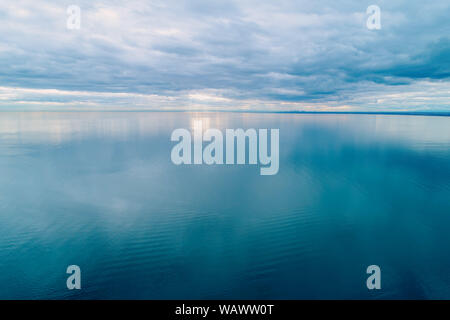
(289, 51)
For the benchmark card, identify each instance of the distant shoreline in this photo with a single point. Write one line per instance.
(399, 113)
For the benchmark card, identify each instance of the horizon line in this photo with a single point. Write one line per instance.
(411, 113)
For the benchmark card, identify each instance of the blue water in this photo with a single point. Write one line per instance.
(98, 190)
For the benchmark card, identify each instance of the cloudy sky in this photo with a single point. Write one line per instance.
(232, 55)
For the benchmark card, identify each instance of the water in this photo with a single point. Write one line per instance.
(99, 190)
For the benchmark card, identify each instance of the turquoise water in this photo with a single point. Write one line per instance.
(98, 190)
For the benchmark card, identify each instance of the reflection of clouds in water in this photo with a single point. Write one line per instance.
(199, 124)
(49, 127)
(114, 198)
(19, 128)
(423, 131)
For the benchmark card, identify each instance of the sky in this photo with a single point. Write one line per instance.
(252, 55)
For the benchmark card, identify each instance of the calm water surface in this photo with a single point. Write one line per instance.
(99, 190)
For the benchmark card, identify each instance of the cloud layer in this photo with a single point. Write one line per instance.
(233, 55)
